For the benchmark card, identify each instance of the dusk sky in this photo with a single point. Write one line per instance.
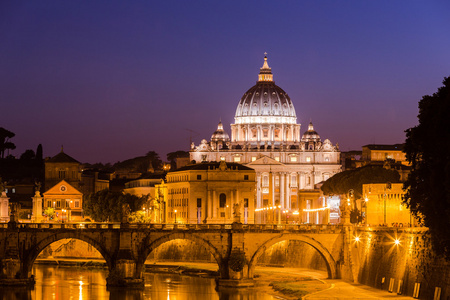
(111, 80)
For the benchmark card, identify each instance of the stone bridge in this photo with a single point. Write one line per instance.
(125, 247)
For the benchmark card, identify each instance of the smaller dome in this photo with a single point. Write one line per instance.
(310, 135)
(220, 135)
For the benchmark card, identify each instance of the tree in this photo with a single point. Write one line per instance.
(428, 184)
(352, 180)
(5, 144)
(344, 181)
(112, 206)
(155, 161)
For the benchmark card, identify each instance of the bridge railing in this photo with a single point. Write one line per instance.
(159, 227)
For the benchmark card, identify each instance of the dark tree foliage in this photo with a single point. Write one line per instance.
(5, 144)
(344, 181)
(428, 184)
(141, 163)
(111, 206)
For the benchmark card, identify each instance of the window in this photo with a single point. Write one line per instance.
(293, 180)
(199, 202)
(237, 159)
(265, 180)
(265, 133)
(58, 203)
(199, 177)
(308, 159)
(245, 177)
(222, 215)
(293, 158)
(77, 203)
(253, 158)
(62, 174)
(204, 157)
(277, 158)
(327, 158)
(222, 200)
(245, 202)
(222, 158)
(277, 181)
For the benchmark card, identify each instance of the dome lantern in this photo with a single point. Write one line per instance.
(265, 73)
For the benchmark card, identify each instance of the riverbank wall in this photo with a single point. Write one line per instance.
(400, 260)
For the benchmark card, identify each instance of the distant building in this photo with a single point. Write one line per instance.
(66, 200)
(210, 192)
(93, 181)
(62, 167)
(376, 152)
(267, 138)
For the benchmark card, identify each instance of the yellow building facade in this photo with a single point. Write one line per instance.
(382, 205)
(213, 193)
(66, 200)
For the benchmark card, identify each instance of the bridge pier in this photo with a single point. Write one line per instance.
(237, 262)
(123, 273)
(11, 265)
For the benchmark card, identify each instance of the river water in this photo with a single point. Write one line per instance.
(73, 283)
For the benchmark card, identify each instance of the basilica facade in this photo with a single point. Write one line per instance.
(267, 138)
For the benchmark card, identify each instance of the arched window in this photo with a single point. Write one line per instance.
(223, 200)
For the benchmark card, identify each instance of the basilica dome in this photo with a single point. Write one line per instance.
(220, 135)
(311, 135)
(265, 102)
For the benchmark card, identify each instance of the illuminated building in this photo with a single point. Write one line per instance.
(267, 138)
(382, 204)
(208, 192)
(66, 200)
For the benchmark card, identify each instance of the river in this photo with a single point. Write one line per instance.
(74, 283)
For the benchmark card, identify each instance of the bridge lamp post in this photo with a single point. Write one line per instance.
(279, 214)
(366, 200)
(296, 213)
(62, 215)
(175, 216)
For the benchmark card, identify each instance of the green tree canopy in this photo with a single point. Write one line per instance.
(344, 181)
(112, 206)
(427, 149)
(5, 144)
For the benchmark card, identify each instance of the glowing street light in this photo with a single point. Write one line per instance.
(397, 242)
(175, 215)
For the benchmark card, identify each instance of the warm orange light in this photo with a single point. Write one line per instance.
(356, 238)
(397, 242)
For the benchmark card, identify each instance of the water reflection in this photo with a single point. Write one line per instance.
(78, 283)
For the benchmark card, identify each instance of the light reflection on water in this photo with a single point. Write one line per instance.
(71, 283)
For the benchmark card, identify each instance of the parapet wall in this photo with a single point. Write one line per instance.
(381, 262)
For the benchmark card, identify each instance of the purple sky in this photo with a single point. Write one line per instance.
(111, 80)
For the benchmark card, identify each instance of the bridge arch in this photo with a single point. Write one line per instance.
(150, 244)
(37, 248)
(323, 251)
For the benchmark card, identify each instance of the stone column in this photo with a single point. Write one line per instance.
(37, 208)
(288, 191)
(282, 197)
(272, 189)
(214, 205)
(4, 207)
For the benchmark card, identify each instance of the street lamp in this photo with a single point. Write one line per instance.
(175, 216)
(62, 214)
